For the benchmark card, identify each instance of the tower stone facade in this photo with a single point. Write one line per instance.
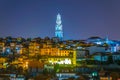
(58, 28)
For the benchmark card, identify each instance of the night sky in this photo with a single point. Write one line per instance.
(81, 19)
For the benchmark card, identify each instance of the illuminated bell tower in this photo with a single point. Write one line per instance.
(58, 28)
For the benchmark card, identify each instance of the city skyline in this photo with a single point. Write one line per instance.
(80, 19)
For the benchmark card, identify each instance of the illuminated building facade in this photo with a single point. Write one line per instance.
(58, 28)
(60, 56)
(2, 44)
(34, 48)
(24, 50)
(113, 46)
(49, 51)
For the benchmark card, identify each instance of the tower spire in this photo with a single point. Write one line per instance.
(58, 27)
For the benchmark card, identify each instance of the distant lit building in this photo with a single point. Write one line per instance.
(55, 39)
(58, 28)
(111, 45)
(49, 51)
(34, 48)
(60, 56)
(2, 44)
(116, 56)
(94, 49)
(100, 56)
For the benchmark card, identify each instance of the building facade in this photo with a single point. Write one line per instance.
(58, 28)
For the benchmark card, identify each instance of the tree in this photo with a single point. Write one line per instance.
(110, 59)
(114, 75)
(81, 78)
(11, 68)
(20, 69)
(46, 38)
(118, 62)
(71, 54)
(71, 78)
(56, 67)
(45, 71)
